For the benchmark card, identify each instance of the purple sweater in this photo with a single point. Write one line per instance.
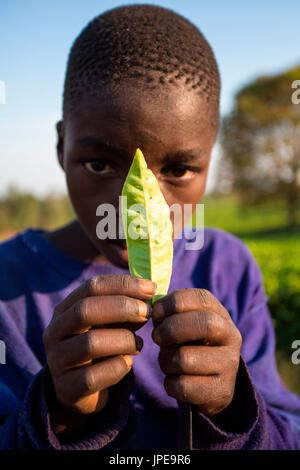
(35, 276)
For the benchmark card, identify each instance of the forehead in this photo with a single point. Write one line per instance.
(164, 119)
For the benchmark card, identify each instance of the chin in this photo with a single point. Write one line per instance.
(115, 253)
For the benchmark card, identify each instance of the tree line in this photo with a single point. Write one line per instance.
(19, 210)
(260, 142)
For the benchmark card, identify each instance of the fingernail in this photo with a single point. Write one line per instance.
(157, 311)
(128, 359)
(145, 310)
(139, 343)
(147, 286)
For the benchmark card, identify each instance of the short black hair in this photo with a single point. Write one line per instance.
(152, 45)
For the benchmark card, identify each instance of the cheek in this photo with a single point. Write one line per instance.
(87, 193)
(183, 201)
(84, 205)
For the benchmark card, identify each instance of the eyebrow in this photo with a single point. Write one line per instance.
(98, 144)
(182, 155)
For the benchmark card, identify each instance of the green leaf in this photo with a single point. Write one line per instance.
(147, 226)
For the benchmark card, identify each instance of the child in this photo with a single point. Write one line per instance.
(137, 76)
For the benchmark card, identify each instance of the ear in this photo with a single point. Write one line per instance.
(60, 143)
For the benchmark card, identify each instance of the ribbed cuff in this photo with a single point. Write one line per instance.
(237, 426)
(105, 427)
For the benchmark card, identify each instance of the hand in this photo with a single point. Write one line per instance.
(199, 348)
(90, 338)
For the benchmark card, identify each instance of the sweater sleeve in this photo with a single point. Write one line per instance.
(24, 414)
(263, 413)
(28, 425)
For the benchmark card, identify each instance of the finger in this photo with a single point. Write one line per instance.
(83, 381)
(198, 360)
(207, 327)
(210, 393)
(184, 300)
(92, 345)
(113, 284)
(97, 311)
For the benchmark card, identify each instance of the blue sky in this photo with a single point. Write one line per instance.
(248, 38)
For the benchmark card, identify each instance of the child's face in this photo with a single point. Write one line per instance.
(99, 141)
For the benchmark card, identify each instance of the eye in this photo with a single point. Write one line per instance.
(98, 166)
(182, 172)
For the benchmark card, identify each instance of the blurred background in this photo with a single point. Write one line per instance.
(254, 181)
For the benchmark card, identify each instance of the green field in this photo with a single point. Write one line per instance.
(277, 250)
